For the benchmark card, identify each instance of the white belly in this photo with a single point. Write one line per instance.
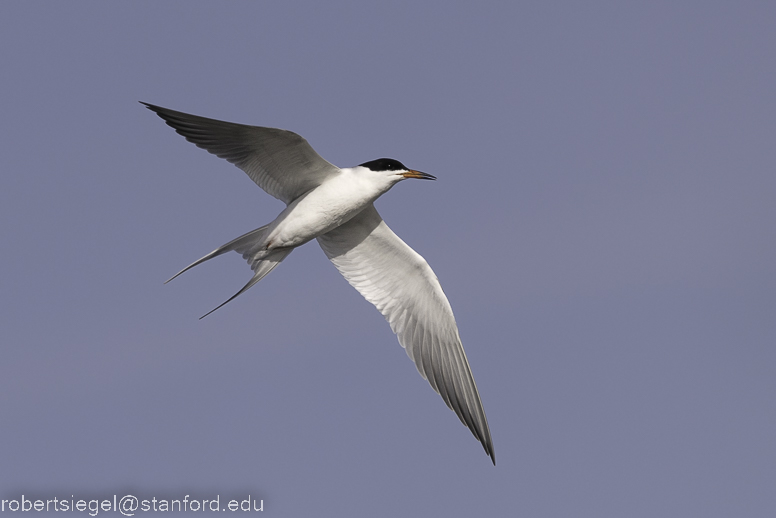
(324, 209)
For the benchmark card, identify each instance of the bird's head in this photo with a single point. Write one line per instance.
(395, 169)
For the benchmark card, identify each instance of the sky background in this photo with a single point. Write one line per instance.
(604, 225)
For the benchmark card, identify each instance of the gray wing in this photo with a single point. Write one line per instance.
(279, 161)
(401, 284)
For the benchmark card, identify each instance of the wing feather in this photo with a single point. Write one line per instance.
(401, 284)
(279, 161)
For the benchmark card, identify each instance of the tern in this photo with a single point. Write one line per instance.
(335, 206)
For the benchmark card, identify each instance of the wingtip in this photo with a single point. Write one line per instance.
(489, 451)
(154, 108)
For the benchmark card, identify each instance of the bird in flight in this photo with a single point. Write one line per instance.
(335, 206)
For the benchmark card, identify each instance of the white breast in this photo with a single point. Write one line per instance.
(327, 206)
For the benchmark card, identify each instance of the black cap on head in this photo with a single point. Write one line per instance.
(384, 164)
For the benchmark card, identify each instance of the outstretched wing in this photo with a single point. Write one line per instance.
(279, 161)
(401, 284)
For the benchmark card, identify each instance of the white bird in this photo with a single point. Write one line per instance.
(335, 206)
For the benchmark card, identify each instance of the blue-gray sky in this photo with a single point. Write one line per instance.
(604, 225)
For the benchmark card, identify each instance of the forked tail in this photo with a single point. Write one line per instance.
(251, 247)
